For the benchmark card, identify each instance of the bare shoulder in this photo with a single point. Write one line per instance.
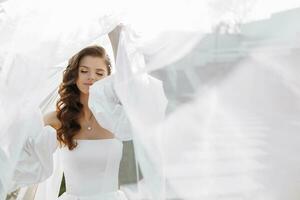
(52, 120)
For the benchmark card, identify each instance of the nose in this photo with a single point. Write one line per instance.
(91, 76)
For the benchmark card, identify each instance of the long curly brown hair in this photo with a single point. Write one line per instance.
(69, 107)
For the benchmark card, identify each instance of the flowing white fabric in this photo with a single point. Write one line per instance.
(36, 163)
(108, 109)
(231, 90)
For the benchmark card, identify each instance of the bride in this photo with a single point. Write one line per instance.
(90, 149)
(83, 138)
(80, 135)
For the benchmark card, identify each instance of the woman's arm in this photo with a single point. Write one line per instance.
(35, 163)
(52, 120)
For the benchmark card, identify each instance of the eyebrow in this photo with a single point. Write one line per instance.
(98, 69)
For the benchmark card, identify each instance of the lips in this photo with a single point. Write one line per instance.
(89, 84)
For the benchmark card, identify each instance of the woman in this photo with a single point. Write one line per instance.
(73, 118)
(90, 149)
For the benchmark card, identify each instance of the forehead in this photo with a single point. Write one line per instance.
(92, 62)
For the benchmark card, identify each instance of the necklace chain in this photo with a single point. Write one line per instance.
(89, 127)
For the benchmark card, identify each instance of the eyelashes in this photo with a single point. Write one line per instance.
(87, 71)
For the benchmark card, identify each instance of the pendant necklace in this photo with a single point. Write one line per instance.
(89, 127)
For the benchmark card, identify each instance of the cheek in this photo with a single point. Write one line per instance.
(79, 80)
(80, 77)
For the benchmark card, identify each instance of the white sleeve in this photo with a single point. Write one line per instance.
(108, 110)
(36, 159)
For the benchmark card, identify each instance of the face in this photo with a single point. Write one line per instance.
(91, 69)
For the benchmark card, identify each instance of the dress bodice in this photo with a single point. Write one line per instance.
(92, 167)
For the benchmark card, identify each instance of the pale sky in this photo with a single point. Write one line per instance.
(150, 17)
(265, 8)
(196, 14)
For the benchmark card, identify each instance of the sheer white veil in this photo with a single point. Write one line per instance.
(217, 119)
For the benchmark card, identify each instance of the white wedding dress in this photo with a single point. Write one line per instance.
(91, 169)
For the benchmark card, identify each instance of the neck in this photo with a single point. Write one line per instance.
(84, 98)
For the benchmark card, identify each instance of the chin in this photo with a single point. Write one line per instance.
(84, 91)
